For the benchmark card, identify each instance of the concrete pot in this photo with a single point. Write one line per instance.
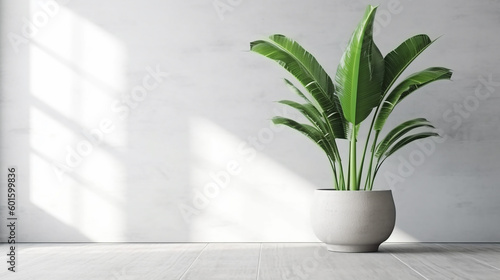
(353, 221)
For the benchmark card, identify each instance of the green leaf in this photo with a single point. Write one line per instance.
(423, 78)
(306, 69)
(398, 132)
(311, 132)
(310, 112)
(360, 72)
(407, 86)
(407, 140)
(297, 91)
(338, 131)
(398, 60)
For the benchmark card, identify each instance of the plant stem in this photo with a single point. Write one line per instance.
(336, 154)
(341, 170)
(353, 185)
(339, 161)
(364, 151)
(334, 169)
(377, 167)
(348, 185)
(369, 178)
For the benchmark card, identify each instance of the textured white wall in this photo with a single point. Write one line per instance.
(149, 120)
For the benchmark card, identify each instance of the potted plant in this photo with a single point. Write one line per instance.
(351, 217)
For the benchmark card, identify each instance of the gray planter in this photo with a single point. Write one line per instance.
(353, 221)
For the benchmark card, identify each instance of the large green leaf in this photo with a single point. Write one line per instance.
(306, 69)
(398, 60)
(310, 112)
(297, 91)
(407, 86)
(360, 72)
(407, 140)
(423, 78)
(398, 132)
(311, 132)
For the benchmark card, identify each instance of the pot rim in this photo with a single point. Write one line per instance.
(328, 190)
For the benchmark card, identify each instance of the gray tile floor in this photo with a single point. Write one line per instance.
(256, 261)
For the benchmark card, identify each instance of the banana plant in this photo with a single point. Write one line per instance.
(364, 85)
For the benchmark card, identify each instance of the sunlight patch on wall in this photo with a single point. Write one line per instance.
(76, 72)
(240, 194)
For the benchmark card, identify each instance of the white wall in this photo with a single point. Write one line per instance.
(162, 101)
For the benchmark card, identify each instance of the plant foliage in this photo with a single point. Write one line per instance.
(365, 83)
